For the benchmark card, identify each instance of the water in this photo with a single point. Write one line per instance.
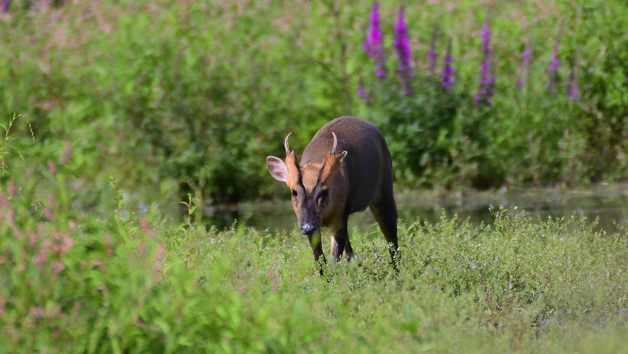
(608, 205)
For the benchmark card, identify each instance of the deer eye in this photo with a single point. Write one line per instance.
(323, 196)
(294, 193)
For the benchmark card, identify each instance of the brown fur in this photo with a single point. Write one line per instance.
(328, 187)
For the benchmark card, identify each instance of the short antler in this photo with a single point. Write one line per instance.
(286, 145)
(333, 148)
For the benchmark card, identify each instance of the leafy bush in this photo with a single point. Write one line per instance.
(530, 117)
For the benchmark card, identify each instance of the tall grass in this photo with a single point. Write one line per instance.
(130, 282)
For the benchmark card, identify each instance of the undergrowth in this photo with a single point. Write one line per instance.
(135, 282)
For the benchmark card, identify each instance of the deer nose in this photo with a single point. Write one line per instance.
(308, 229)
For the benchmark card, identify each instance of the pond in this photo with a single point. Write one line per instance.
(607, 204)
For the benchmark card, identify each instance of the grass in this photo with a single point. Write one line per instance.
(72, 282)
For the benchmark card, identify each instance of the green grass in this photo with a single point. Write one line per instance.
(73, 282)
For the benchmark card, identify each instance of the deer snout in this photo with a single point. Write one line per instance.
(308, 229)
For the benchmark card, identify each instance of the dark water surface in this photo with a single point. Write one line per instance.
(607, 204)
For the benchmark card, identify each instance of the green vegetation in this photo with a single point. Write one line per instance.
(192, 97)
(73, 282)
(115, 111)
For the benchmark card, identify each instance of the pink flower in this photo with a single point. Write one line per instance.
(51, 167)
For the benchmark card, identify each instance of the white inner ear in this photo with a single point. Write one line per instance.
(277, 168)
(342, 156)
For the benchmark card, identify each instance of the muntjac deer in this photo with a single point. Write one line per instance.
(328, 186)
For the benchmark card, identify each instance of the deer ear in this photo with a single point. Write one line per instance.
(331, 166)
(277, 168)
(294, 172)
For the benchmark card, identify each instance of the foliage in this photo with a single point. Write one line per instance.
(74, 282)
(167, 99)
(538, 120)
(192, 97)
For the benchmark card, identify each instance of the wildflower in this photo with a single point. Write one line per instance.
(573, 93)
(40, 258)
(362, 93)
(572, 84)
(431, 55)
(51, 167)
(524, 67)
(5, 6)
(67, 150)
(402, 46)
(57, 267)
(487, 73)
(158, 256)
(448, 72)
(554, 63)
(373, 44)
(486, 39)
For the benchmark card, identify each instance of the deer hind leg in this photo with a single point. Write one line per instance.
(385, 213)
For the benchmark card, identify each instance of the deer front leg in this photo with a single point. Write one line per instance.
(340, 243)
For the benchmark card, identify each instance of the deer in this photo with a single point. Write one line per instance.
(329, 186)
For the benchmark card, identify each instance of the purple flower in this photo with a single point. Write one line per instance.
(448, 78)
(487, 71)
(572, 84)
(525, 58)
(524, 67)
(486, 39)
(552, 68)
(554, 63)
(362, 93)
(431, 55)
(402, 44)
(5, 6)
(404, 55)
(572, 91)
(373, 44)
(431, 58)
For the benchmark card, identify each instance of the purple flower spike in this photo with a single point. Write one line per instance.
(448, 78)
(524, 67)
(431, 55)
(486, 39)
(5, 6)
(362, 93)
(573, 92)
(573, 95)
(552, 69)
(404, 55)
(373, 44)
(431, 58)
(554, 63)
(487, 71)
(402, 44)
(572, 84)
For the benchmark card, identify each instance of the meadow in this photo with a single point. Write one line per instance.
(121, 120)
(136, 282)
